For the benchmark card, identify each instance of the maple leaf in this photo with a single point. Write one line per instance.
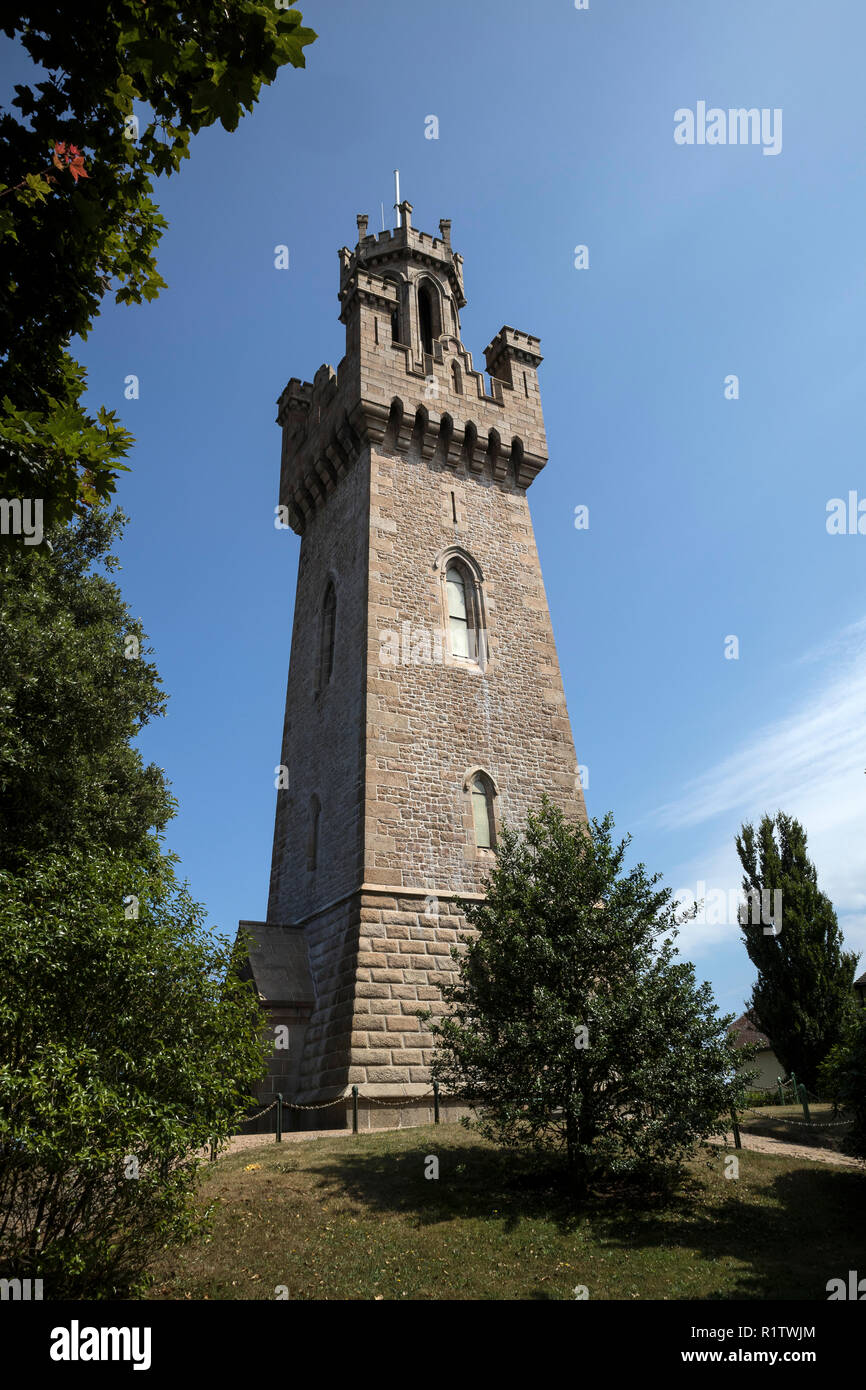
(71, 159)
(76, 163)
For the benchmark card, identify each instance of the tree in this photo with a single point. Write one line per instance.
(126, 1039)
(571, 1023)
(126, 87)
(844, 1075)
(127, 1042)
(75, 689)
(803, 995)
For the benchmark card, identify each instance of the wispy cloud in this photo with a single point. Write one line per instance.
(814, 757)
(809, 763)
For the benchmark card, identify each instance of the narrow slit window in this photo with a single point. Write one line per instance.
(313, 840)
(329, 623)
(395, 312)
(453, 509)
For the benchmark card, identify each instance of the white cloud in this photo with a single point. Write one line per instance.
(809, 763)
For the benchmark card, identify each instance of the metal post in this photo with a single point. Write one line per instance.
(805, 1104)
(781, 1092)
(737, 1141)
(354, 1109)
(796, 1087)
(435, 1102)
(279, 1117)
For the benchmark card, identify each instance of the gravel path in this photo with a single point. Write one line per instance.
(782, 1149)
(239, 1142)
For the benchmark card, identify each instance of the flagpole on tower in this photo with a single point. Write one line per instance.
(397, 193)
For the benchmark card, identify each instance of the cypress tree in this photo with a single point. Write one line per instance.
(803, 995)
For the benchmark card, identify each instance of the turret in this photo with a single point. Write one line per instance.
(407, 376)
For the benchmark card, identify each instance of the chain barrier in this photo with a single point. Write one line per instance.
(261, 1112)
(368, 1100)
(247, 1118)
(212, 1147)
(774, 1090)
(397, 1100)
(801, 1124)
(430, 1095)
(322, 1105)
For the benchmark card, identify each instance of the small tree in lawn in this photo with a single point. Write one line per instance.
(571, 1023)
(804, 994)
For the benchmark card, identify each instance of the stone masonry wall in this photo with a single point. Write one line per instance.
(323, 734)
(430, 723)
(403, 958)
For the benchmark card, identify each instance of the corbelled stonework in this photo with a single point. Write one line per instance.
(404, 462)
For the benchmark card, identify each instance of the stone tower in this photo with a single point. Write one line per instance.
(425, 702)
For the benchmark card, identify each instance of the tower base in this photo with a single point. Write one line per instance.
(341, 993)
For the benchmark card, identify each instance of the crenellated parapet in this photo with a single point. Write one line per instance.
(511, 350)
(407, 384)
(389, 249)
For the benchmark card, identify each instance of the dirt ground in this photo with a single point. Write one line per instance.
(239, 1142)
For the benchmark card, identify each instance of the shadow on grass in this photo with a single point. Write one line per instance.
(782, 1234)
(473, 1182)
(801, 1228)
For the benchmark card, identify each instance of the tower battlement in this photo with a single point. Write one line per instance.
(407, 377)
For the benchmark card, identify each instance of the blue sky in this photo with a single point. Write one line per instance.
(707, 515)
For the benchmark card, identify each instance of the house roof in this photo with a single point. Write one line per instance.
(746, 1032)
(278, 964)
(861, 983)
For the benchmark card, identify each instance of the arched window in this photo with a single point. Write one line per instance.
(460, 606)
(329, 627)
(313, 836)
(481, 791)
(457, 378)
(425, 319)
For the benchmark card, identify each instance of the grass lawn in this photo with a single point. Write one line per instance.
(355, 1217)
